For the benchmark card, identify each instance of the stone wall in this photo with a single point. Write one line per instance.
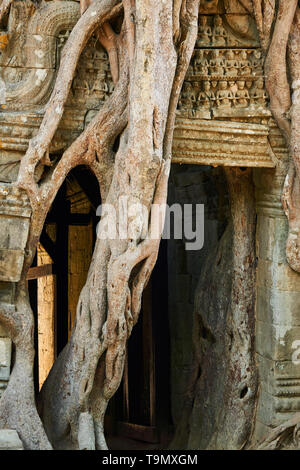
(277, 308)
(14, 226)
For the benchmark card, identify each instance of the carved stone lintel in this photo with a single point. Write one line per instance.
(212, 143)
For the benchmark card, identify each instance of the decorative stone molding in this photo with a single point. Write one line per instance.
(29, 76)
(222, 143)
(16, 129)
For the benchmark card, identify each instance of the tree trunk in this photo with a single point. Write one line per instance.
(241, 373)
(224, 390)
(17, 404)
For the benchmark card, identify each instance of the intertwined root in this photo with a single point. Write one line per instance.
(285, 436)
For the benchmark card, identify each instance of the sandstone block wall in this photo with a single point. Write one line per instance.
(277, 308)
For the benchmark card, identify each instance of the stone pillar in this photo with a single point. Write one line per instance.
(14, 226)
(277, 308)
(5, 359)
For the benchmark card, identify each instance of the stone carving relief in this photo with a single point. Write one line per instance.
(223, 98)
(225, 78)
(215, 31)
(28, 78)
(93, 82)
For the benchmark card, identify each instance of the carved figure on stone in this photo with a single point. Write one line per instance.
(88, 60)
(204, 32)
(224, 95)
(219, 37)
(257, 68)
(232, 86)
(100, 87)
(110, 83)
(244, 64)
(241, 98)
(188, 97)
(258, 94)
(216, 64)
(206, 97)
(241, 23)
(201, 65)
(80, 85)
(231, 64)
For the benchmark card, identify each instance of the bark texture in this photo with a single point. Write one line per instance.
(241, 373)
(224, 403)
(149, 59)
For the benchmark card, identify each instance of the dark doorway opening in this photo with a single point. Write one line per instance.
(53, 285)
(139, 415)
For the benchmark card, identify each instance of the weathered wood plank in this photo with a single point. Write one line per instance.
(40, 271)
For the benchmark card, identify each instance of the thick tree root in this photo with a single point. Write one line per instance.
(17, 404)
(285, 436)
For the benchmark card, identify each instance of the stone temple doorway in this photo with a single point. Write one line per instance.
(60, 267)
(160, 355)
